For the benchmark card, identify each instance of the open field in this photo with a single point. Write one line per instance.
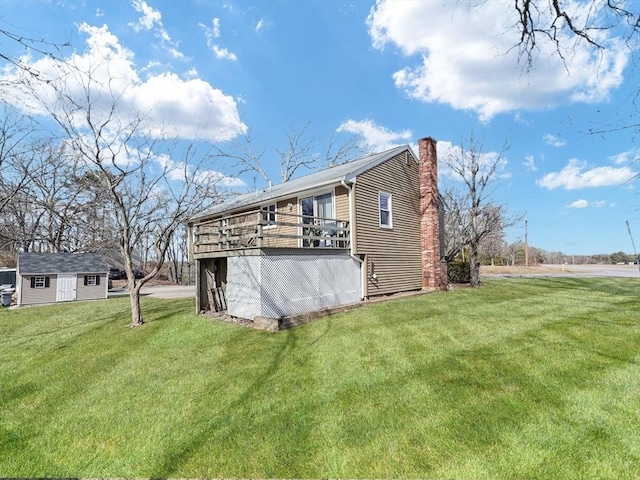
(628, 271)
(523, 378)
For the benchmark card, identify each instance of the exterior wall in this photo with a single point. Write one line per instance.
(342, 203)
(280, 284)
(33, 296)
(92, 292)
(393, 255)
(283, 207)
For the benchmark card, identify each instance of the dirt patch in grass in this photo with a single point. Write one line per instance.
(517, 270)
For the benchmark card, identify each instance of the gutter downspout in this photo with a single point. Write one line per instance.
(353, 236)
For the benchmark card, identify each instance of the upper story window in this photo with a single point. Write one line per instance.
(384, 205)
(270, 216)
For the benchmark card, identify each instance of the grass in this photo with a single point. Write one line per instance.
(534, 378)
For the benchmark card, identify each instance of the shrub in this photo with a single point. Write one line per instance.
(459, 272)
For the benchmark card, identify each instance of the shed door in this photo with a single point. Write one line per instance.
(66, 288)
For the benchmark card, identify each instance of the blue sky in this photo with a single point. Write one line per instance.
(389, 73)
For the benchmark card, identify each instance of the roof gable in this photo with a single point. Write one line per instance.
(347, 172)
(34, 263)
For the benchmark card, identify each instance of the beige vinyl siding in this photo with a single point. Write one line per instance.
(91, 292)
(32, 296)
(394, 255)
(283, 214)
(342, 203)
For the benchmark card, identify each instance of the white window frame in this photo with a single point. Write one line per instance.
(92, 280)
(40, 282)
(389, 196)
(273, 212)
(314, 194)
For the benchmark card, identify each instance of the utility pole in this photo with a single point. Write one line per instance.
(526, 243)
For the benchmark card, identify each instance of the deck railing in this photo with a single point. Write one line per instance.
(263, 228)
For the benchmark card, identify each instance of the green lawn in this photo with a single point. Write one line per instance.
(535, 378)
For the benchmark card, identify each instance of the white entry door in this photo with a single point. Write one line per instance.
(66, 288)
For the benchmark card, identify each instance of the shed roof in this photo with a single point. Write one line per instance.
(35, 263)
(347, 172)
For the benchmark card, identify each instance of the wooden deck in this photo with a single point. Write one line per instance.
(247, 233)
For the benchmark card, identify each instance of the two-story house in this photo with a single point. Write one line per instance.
(369, 227)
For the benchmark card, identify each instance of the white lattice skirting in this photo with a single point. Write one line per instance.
(279, 285)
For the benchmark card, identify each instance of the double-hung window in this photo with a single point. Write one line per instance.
(384, 206)
(270, 215)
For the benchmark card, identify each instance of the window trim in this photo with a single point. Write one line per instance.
(389, 210)
(40, 281)
(88, 280)
(313, 194)
(271, 213)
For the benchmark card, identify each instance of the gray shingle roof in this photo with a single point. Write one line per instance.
(347, 172)
(35, 263)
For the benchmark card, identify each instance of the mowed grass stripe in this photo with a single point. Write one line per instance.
(532, 378)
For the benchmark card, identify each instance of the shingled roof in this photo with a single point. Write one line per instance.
(347, 172)
(51, 263)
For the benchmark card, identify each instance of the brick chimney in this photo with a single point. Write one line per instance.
(429, 221)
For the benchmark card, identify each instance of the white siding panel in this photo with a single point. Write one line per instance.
(243, 286)
(280, 285)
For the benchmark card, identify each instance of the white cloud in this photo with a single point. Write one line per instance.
(189, 109)
(212, 34)
(152, 19)
(223, 53)
(630, 156)
(149, 18)
(374, 137)
(260, 25)
(215, 31)
(579, 204)
(584, 204)
(554, 141)
(530, 163)
(576, 176)
(468, 60)
(181, 171)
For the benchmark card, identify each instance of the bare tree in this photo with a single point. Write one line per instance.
(41, 46)
(493, 243)
(601, 24)
(515, 251)
(177, 254)
(152, 183)
(472, 214)
(19, 152)
(299, 152)
(558, 21)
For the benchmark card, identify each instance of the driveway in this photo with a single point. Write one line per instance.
(158, 291)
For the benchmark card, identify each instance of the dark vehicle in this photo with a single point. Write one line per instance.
(117, 274)
(137, 273)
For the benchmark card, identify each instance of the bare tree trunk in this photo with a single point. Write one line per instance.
(136, 311)
(474, 267)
